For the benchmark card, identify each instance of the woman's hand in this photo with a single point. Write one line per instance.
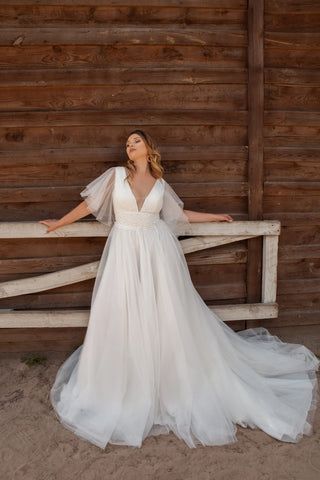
(52, 224)
(223, 218)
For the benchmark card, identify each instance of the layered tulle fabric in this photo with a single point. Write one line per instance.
(98, 196)
(172, 212)
(156, 359)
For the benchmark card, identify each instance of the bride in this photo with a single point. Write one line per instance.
(155, 358)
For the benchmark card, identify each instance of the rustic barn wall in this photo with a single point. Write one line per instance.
(76, 79)
(78, 76)
(292, 161)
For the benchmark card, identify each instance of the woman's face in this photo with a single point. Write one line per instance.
(136, 147)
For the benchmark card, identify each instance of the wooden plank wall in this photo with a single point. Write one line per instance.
(292, 162)
(77, 77)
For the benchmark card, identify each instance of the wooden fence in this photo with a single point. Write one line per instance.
(203, 235)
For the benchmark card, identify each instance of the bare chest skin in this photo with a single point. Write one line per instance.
(141, 187)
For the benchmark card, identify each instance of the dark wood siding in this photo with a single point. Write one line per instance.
(292, 162)
(77, 77)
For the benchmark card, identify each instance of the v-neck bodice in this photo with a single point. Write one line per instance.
(135, 198)
(125, 203)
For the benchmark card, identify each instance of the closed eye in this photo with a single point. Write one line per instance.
(137, 141)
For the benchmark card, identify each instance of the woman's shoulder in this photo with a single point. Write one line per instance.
(113, 169)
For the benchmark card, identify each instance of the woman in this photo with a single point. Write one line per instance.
(155, 358)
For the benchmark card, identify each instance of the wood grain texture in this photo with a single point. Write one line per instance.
(291, 160)
(257, 281)
(151, 13)
(233, 106)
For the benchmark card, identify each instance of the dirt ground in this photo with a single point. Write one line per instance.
(35, 446)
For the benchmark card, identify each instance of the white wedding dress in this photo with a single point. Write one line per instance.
(155, 358)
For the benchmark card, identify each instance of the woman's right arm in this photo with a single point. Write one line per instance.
(78, 212)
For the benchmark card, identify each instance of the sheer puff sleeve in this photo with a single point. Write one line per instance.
(172, 211)
(98, 197)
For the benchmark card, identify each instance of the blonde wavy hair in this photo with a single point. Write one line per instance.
(154, 156)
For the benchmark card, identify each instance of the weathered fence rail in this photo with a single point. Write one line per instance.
(203, 235)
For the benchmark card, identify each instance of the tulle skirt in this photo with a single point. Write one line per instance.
(156, 359)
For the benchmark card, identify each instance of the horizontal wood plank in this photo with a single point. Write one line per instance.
(230, 4)
(91, 56)
(292, 76)
(87, 15)
(123, 35)
(55, 194)
(96, 229)
(290, 6)
(101, 98)
(79, 318)
(117, 75)
(154, 116)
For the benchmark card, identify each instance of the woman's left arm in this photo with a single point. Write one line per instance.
(194, 217)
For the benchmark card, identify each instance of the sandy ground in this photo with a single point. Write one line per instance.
(35, 446)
